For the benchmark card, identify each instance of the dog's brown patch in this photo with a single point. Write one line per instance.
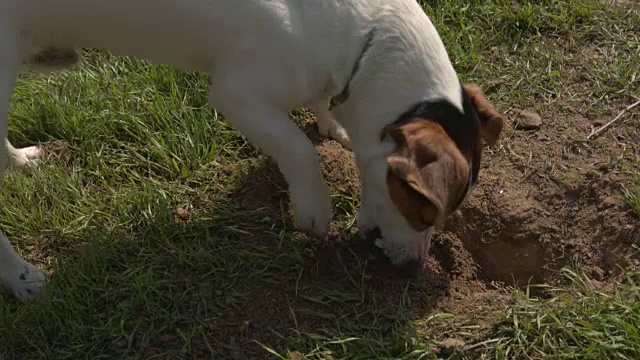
(491, 121)
(427, 173)
(438, 154)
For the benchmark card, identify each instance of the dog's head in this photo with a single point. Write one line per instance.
(432, 170)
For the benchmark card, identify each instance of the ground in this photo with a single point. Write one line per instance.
(168, 236)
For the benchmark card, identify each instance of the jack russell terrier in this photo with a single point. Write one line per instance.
(375, 72)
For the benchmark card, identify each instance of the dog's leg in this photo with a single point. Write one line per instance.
(21, 278)
(26, 156)
(270, 128)
(365, 221)
(328, 126)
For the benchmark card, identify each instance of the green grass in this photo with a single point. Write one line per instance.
(579, 322)
(170, 236)
(631, 194)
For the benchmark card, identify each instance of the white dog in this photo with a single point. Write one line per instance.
(373, 69)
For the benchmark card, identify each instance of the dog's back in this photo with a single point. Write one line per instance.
(190, 34)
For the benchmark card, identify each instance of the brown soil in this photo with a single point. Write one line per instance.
(544, 201)
(541, 205)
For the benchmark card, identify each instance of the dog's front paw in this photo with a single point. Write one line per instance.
(329, 128)
(28, 156)
(23, 280)
(312, 210)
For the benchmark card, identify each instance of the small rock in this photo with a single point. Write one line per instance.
(527, 120)
(182, 213)
(450, 346)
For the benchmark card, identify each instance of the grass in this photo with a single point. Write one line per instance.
(580, 321)
(159, 251)
(631, 194)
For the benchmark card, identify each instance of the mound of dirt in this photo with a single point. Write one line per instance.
(521, 225)
(544, 201)
(520, 233)
(518, 228)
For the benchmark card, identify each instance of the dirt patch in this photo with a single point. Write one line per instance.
(58, 150)
(544, 201)
(542, 204)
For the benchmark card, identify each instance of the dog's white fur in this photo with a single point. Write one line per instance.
(23, 156)
(268, 57)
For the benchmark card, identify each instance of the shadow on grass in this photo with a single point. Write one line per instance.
(232, 280)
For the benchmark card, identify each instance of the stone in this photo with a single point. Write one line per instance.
(450, 346)
(527, 120)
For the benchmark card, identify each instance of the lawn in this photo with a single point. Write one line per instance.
(168, 236)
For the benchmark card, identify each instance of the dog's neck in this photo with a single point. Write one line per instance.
(343, 96)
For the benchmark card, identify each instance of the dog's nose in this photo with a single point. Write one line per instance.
(412, 268)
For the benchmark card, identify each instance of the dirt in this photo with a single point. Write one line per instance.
(524, 221)
(541, 204)
(546, 199)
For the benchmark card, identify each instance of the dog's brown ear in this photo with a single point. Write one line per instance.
(491, 122)
(419, 205)
(426, 173)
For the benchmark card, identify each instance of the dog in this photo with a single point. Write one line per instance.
(375, 72)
